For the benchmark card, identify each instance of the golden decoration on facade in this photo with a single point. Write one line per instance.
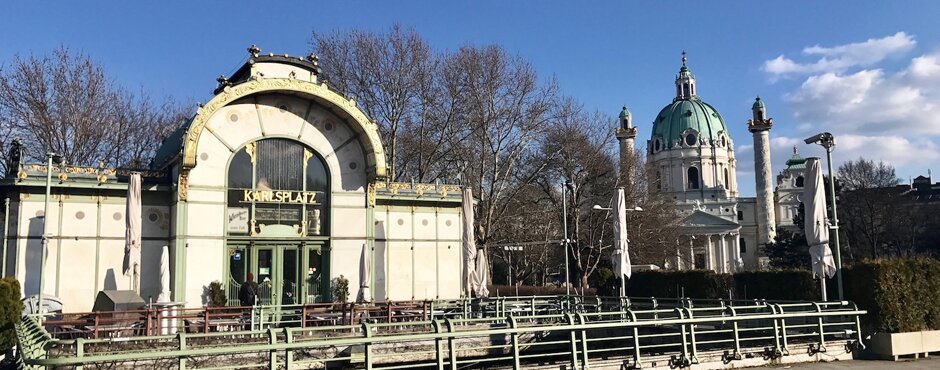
(182, 185)
(370, 194)
(250, 149)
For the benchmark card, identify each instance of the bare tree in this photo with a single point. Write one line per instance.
(866, 174)
(390, 75)
(65, 103)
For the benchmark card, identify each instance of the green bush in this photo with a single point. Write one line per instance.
(11, 310)
(773, 285)
(216, 293)
(340, 289)
(780, 285)
(900, 295)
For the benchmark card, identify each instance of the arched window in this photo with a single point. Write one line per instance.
(690, 139)
(692, 178)
(277, 182)
(727, 182)
(656, 145)
(685, 90)
(799, 182)
(742, 246)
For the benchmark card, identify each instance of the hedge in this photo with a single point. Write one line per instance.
(900, 295)
(776, 285)
(11, 309)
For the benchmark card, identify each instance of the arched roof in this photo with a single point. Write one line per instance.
(683, 114)
(346, 109)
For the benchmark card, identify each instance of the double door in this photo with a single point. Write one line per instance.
(285, 274)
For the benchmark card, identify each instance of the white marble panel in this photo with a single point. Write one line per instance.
(211, 162)
(344, 260)
(381, 270)
(348, 222)
(348, 199)
(156, 222)
(424, 223)
(77, 286)
(205, 195)
(205, 219)
(236, 123)
(204, 264)
(449, 226)
(79, 219)
(426, 270)
(401, 271)
(282, 115)
(399, 224)
(32, 221)
(113, 223)
(450, 264)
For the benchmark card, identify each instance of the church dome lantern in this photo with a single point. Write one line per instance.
(688, 115)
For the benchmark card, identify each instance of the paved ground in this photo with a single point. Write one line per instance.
(921, 364)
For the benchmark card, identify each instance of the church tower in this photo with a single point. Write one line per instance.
(759, 126)
(626, 134)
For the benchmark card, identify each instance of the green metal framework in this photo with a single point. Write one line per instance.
(507, 332)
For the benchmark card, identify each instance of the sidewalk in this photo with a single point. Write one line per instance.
(921, 364)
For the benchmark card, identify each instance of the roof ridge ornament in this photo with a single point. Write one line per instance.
(684, 59)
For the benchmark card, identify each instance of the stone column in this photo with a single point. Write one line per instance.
(765, 202)
(736, 244)
(722, 254)
(709, 255)
(626, 136)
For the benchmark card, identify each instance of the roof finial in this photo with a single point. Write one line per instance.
(683, 58)
(794, 150)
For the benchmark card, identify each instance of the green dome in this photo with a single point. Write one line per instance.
(757, 103)
(676, 119)
(625, 112)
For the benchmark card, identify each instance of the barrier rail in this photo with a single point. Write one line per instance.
(685, 329)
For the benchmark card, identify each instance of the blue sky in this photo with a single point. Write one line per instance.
(865, 71)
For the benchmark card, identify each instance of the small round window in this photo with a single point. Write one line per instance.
(690, 139)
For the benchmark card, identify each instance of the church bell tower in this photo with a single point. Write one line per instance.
(759, 126)
(626, 134)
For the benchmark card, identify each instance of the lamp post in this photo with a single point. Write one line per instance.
(826, 140)
(564, 221)
(509, 249)
(623, 281)
(45, 224)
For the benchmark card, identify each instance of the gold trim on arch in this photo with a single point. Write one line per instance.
(367, 130)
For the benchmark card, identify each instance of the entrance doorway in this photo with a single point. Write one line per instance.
(285, 274)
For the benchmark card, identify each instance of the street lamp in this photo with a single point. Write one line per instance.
(51, 157)
(509, 249)
(568, 185)
(826, 140)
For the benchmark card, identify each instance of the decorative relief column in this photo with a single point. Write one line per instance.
(760, 126)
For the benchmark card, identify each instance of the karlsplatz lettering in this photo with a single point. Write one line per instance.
(279, 196)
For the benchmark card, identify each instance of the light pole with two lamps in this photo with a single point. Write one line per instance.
(623, 281)
(826, 140)
(52, 157)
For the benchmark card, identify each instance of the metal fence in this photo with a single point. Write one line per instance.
(508, 332)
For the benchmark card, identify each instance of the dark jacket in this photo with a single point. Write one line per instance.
(248, 293)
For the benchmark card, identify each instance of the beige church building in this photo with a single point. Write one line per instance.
(691, 153)
(276, 175)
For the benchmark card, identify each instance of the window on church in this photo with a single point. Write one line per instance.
(693, 180)
(799, 182)
(699, 261)
(742, 245)
(740, 215)
(659, 181)
(727, 182)
(690, 139)
(656, 144)
(685, 90)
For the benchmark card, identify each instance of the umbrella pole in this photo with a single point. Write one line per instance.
(822, 287)
(623, 286)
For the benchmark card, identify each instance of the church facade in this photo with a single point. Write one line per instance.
(276, 176)
(691, 155)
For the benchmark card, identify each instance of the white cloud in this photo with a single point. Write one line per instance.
(840, 58)
(872, 101)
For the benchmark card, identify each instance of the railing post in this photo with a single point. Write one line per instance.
(303, 318)
(515, 343)
(79, 351)
(367, 346)
(694, 358)
(288, 352)
(858, 326)
(784, 346)
(584, 342)
(438, 344)
(821, 328)
(272, 354)
(737, 336)
(97, 321)
(181, 340)
(205, 325)
(778, 351)
(684, 360)
(637, 364)
(533, 306)
(451, 349)
(573, 338)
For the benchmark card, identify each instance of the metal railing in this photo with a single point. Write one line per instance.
(440, 340)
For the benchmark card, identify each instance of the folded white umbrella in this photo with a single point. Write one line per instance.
(132, 235)
(164, 296)
(469, 243)
(365, 275)
(816, 224)
(621, 255)
(482, 267)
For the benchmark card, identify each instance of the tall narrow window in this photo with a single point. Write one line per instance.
(693, 178)
(727, 182)
(742, 245)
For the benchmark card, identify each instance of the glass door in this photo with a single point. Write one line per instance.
(277, 271)
(265, 275)
(313, 279)
(237, 269)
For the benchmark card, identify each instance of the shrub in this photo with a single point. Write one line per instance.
(527, 290)
(340, 289)
(900, 295)
(216, 295)
(11, 310)
(783, 285)
(772, 285)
